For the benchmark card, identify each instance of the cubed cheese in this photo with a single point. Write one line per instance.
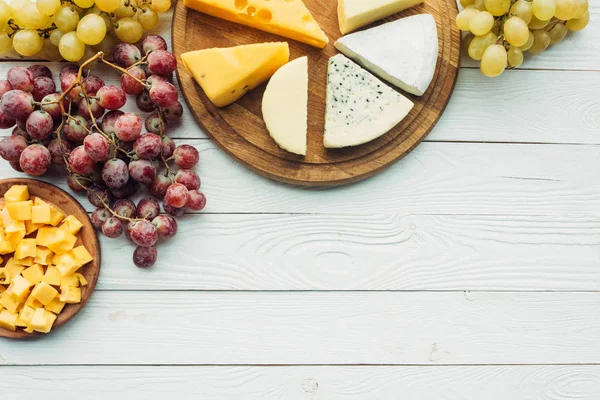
(56, 216)
(19, 288)
(70, 295)
(82, 255)
(27, 261)
(52, 276)
(20, 211)
(45, 236)
(25, 316)
(6, 247)
(72, 224)
(56, 306)
(82, 280)
(8, 320)
(34, 274)
(62, 242)
(15, 232)
(43, 255)
(9, 302)
(37, 201)
(41, 214)
(42, 320)
(30, 227)
(44, 293)
(69, 280)
(17, 193)
(25, 248)
(67, 264)
(33, 302)
(13, 268)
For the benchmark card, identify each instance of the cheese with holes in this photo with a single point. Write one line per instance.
(354, 14)
(288, 18)
(359, 107)
(403, 52)
(226, 74)
(284, 106)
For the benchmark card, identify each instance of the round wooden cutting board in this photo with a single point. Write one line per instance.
(86, 236)
(240, 131)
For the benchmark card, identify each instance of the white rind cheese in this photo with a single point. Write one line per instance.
(360, 108)
(403, 52)
(354, 14)
(285, 106)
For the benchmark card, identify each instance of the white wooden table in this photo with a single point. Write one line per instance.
(469, 270)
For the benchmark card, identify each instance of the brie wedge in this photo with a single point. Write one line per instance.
(359, 107)
(403, 52)
(285, 104)
(354, 14)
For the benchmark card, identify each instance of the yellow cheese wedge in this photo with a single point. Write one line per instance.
(286, 18)
(354, 14)
(227, 74)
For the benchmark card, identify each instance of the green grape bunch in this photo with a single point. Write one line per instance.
(500, 31)
(72, 30)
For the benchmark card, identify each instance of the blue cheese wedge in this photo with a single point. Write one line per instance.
(403, 52)
(359, 107)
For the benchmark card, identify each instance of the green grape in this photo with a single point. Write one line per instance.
(105, 17)
(5, 15)
(582, 8)
(527, 44)
(147, 17)
(124, 10)
(128, 30)
(50, 51)
(463, 18)
(48, 7)
(515, 57)
(84, 3)
(27, 42)
(537, 23)
(557, 33)
(5, 42)
(479, 45)
(91, 29)
(497, 7)
(541, 41)
(522, 9)
(17, 5)
(70, 47)
(467, 3)
(544, 9)
(30, 17)
(493, 62)
(516, 31)
(565, 9)
(55, 37)
(66, 18)
(479, 5)
(481, 23)
(108, 5)
(164, 5)
(578, 24)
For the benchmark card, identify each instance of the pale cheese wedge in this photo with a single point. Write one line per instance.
(354, 14)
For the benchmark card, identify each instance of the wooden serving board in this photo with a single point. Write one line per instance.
(86, 236)
(240, 131)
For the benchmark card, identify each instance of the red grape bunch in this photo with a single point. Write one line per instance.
(109, 154)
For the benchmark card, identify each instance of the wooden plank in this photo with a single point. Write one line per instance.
(283, 328)
(336, 252)
(302, 382)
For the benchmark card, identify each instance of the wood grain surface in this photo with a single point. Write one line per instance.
(240, 130)
(87, 237)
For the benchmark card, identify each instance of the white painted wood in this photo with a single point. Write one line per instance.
(304, 382)
(377, 252)
(278, 328)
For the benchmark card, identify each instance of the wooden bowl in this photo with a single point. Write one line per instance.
(87, 236)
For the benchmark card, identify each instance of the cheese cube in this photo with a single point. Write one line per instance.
(8, 320)
(56, 306)
(41, 214)
(5, 216)
(19, 288)
(4, 276)
(55, 258)
(20, 211)
(37, 201)
(30, 227)
(34, 274)
(52, 276)
(56, 216)
(25, 248)
(42, 320)
(43, 256)
(9, 302)
(82, 280)
(82, 255)
(27, 261)
(72, 224)
(6, 247)
(44, 293)
(25, 316)
(70, 295)
(33, 303)
(13, 268)
(67, 264)
(69, 280)
(45, 236)
(17, 193)
(62, 242)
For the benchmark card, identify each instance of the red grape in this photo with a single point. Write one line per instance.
(38, 70)
(11, 147)
(168, 147)
(152, 43)
(144, 102)
(17, 104)
(51, 106)
(5, 121)
(108, 121)
(42, 86)
(188, 178)
(112, 228)
(111, 97)
(159, 185)
(67, 81)
(99, 196)
(39, 125)
(76, 129)
(148, 146)
(197, 201)
(176, 212)
(161, 62)
(173, 113)
(126, 54)
(128, 127)
(58, 149)
(126, 191)
(69, 69)
(144, 257)
(130, 85)
(77, 184)
(115, 173)
(163, 93)
(143, 171)
(80, 162)
(154, 123)
(19, 132)
(177, 195)
(84, 109)
(20, 78)
(99, 217)
(5, 86)
(186, 156)
(166, 226)
(35, 160)
(143, 233)
(152, 79)
(148, 208)
(125, 208)
(92, 84)
(96, 146)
